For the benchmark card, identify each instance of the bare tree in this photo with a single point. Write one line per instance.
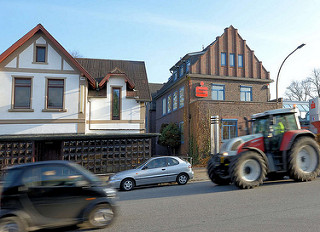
(75, 54)
(299, 91)
(314, 80)
(305, 89)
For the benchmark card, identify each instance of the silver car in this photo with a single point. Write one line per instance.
(156, 170)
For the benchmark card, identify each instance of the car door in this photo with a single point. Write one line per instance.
(173, 169)
(52, 193)
(153, 172)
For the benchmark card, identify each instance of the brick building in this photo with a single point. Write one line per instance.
(224, 79)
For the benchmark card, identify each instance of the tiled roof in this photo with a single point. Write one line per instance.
(155, 87)
(134, 71)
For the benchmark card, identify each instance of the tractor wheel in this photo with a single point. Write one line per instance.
(304, 159)
(248, 170)
(216, 176)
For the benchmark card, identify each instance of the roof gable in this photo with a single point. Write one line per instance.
(116, 72)
(30, 34)
(134, 73)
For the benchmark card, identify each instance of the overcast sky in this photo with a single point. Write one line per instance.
(159, 32)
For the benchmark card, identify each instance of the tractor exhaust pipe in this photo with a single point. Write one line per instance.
(214, 140)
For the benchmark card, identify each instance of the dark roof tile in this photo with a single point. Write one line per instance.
(134, 70)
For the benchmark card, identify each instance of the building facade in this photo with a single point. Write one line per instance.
(225, 79)
(54, 101)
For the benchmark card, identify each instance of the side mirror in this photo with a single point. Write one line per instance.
(145, 167)
(272, 121)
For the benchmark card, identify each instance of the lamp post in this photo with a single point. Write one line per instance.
(300, 46)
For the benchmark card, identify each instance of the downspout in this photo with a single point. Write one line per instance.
(189, 115)
(89, 101)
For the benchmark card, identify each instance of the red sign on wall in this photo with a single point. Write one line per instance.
(313, 105)
(201, 91)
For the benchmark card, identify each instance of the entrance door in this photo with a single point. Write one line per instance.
(48, 150)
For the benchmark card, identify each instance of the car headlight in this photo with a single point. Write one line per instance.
(225, 153)
(111, 192)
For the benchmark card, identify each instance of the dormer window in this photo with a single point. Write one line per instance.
(175, 75)
(41, 54)
(188, 66)
(181, 71)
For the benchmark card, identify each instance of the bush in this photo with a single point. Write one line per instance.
(170, 136)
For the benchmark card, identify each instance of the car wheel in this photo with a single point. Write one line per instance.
(11, 224)
(182, 178)
(127, 184)
(100, 216)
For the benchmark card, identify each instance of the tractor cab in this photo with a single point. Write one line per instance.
(273, 125)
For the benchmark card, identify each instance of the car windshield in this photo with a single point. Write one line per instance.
(141, 165)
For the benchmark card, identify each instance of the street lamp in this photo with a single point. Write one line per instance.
(300, 46)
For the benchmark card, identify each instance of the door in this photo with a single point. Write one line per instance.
(153, 172)
(52, 194)
(48, 150)
(173, 169)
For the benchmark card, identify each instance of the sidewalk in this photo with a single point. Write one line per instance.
(200, 174)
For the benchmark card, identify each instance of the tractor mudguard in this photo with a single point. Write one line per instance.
(259, 152)
(290, 136)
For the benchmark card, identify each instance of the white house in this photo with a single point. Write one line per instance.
(53, 106)
(46, 91)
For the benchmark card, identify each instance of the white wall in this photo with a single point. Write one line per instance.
(101, 110)
(38, 95)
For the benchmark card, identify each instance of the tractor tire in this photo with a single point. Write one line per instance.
(248, 170)
(304, 159)
(214, 174)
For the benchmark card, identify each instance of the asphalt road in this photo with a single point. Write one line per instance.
(203, 206)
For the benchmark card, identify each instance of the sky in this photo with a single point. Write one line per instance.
(160, 32)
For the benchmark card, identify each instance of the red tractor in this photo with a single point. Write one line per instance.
(276, 148)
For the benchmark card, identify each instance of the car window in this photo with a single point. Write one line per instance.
(172, 162)
(11, 178)
(157, 163)
(52, 175)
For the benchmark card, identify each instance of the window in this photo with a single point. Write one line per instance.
(169, 106)
(181, 127)
(157, 163)
(223, 59)
(229, 129)
(217, 92)
(188, 66)
(116, 100)
(245, 93)
(50, 176)
(164, 106)
(40, 54)
(22, 93)
(175, 100)
(55, 94)
(232, 59)
(181, 70)
(240, 61)
(172, 162)
(181, 97)
(175, 75)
